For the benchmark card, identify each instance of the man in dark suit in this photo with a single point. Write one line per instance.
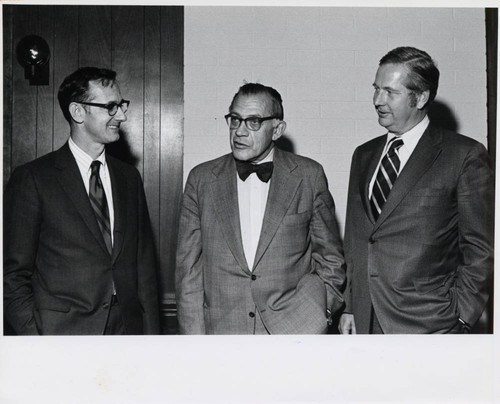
(418, 236)
(258, 254)
(78, 249)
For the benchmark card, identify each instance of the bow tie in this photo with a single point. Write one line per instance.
(263, 171)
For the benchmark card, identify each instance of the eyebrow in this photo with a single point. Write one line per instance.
(249, 116)
(386, 88)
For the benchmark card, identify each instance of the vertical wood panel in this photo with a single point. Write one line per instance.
(128, 62)
(8, 60)
(65, 62)
(171, 140)
(45, 93)
(94, 42)
(24, 97)
(152, 59)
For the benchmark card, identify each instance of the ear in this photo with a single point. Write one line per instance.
(77, 112)
(279, 130)
(422, 99)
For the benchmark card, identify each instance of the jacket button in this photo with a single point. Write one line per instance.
(371, 240)
(105, 305)
(254, 277)
(251, 314)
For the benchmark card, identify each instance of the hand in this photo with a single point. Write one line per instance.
(346, 324)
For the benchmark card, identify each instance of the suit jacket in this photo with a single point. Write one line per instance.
(299, 266)
(58, 274)
(428, 259)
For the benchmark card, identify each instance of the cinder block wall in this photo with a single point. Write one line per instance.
(323, 62)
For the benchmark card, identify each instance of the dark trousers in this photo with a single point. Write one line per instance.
(114, 325)
(375, 327)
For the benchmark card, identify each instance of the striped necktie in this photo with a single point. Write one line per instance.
(99, 203)
(386, 177)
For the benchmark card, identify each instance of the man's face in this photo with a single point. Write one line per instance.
(98, 126)
(398, 110)
(248, 145)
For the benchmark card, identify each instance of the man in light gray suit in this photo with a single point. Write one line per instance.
(258, 249)
(419, 226)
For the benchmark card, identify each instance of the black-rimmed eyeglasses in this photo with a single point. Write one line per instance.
(253, 123)
(112, 107)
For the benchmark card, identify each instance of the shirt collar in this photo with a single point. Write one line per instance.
(82, 157)
(268, 158)
(414, 134)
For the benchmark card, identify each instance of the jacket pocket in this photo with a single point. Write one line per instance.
(297, 219)
(429, 192)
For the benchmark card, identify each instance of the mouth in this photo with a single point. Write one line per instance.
(115, 127)
(382, 113)
(239, 145)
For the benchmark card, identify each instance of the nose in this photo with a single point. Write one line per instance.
(241, 130)
(379, 98)
(120, 115)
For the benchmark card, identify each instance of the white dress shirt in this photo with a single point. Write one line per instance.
(410, 140)
(83, 160)
(252, 200)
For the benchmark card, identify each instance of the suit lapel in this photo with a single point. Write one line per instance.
(422, 158)
(71, 182)
(368, 163)
(224, 196)
(119, 189)
(283, 187)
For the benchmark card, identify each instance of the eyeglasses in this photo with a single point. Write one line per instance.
(253, 123)
(112, 107)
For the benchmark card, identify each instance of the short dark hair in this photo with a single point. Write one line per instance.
(423, 73)
(256, 89)
(75, 87)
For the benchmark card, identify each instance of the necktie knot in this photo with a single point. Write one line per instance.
(95, 166)
(395, 145)
(264, 171)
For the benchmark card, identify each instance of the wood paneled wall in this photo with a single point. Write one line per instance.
(144, 45)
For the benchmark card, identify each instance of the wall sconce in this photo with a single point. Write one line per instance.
(33, 54)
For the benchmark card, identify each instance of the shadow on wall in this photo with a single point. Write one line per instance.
(122, 150)
(441, 115)
(285, 143)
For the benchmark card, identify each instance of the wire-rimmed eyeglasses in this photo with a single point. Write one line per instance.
(112, 107)
(253, 123)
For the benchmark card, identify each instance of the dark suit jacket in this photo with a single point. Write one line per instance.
(299, 265)
(57, 271)
(428, 259)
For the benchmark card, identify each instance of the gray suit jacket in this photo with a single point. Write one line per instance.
(58, 274)
(299, 267)
(428, 259)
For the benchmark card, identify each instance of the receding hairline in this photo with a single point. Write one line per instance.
(269, 101)
(100, 83)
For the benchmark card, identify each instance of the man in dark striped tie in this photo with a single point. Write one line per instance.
(78, 247)
(418, 237)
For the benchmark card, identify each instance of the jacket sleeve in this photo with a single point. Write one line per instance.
(327, 251)
(348, 235)
(147, 267)
(189, 264)
(475, 234)
(21, 231)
